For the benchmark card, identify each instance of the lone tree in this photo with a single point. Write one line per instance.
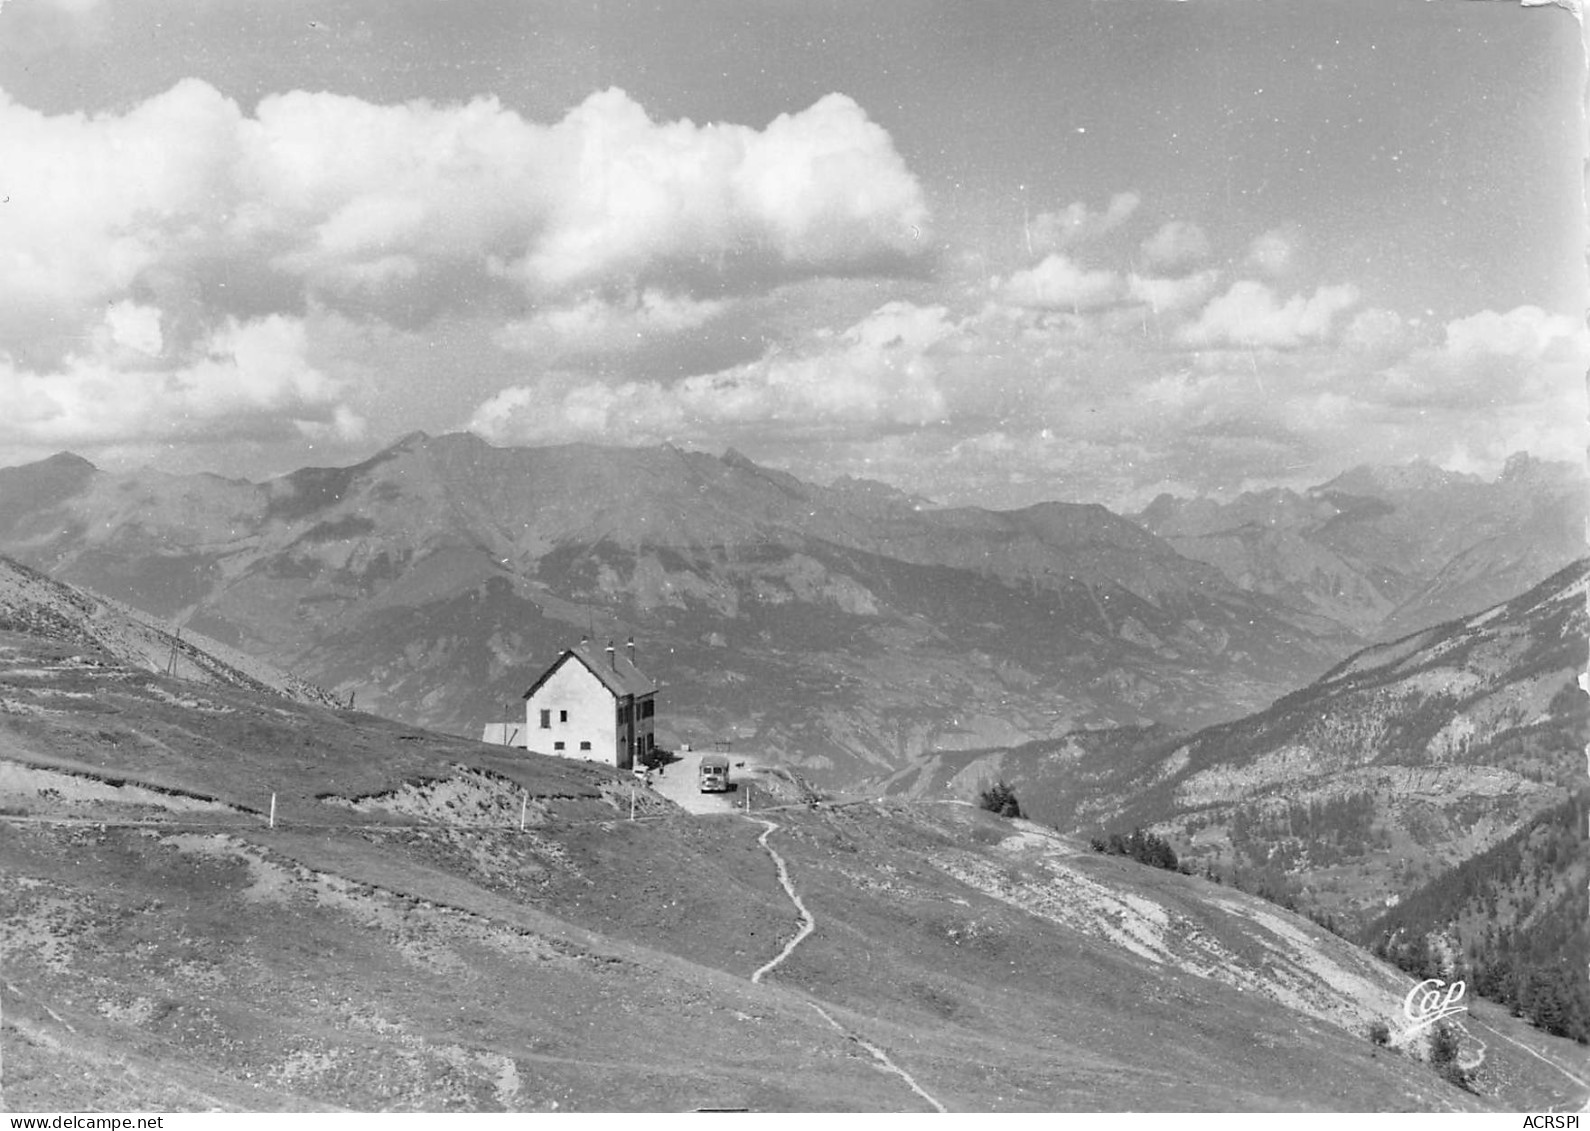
(1000, 798)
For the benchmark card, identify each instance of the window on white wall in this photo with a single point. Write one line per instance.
(557, 746)
(546, 719)
(563, 716)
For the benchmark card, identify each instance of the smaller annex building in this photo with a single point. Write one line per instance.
(592, 703)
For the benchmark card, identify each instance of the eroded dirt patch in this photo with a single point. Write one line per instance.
(41, 790)
(470, 796)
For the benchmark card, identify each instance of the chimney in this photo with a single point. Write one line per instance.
(612, 656)
(632, 650)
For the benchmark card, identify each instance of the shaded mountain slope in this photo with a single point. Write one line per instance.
(433, 924)
(1513, 923)
(1393, 767)
(844, 627)
(32, 602)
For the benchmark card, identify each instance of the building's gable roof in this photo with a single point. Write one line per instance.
(617, 674)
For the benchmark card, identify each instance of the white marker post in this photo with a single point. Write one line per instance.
(631, 801)
(273, 810)
(523, 809)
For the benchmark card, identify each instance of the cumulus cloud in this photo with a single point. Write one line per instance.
(600, 324)
(1012, 404)
(244, 378)
(604, 194)
(1377, 331)
(1249, 314)
(1526, 333)
(1057, 283)
(1474, 390)
(191, 221)
(1524, 356)
(95, 202)
(1172, 294)
(1176, 244)
(130, 329)
(1076, 223)
(336, 192)
(879, 373)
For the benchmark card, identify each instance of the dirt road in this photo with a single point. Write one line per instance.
(678, 783)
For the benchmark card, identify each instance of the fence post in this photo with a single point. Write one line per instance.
(273, 810)
(523, 809)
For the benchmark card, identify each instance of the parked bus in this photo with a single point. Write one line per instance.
(713, 775)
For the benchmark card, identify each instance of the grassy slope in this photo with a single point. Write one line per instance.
(397, 941)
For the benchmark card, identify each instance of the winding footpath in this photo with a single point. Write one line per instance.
(1471, 1019)
(881, 1057)
(808, 925)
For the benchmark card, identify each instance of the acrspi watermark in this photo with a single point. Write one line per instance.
(1431, 1000)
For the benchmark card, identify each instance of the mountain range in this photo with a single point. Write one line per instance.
(843, 628)
(1389, 550)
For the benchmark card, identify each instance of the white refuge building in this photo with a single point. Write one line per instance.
(589, 703)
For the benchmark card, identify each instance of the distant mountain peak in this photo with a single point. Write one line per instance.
(38, 486)
(1521, 467)
(1517, 464)
(68, 460)
(1375, 479)
(409, 442)
(61, 463)
(877, 491)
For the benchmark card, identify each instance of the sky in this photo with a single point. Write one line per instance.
(990, 253)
